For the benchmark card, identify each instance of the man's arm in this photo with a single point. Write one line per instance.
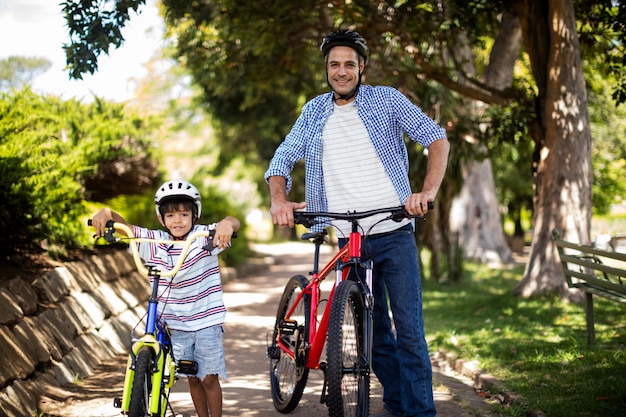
(438, 151)
(281, 209)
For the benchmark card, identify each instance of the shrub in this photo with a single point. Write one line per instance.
(48, 147)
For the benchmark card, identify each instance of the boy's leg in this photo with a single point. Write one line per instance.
(199, 397)
(206, 396)
(209, 353)
(213, 391)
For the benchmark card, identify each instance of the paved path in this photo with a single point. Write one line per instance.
(251, 303)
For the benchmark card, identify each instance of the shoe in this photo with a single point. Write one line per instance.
(383, 413)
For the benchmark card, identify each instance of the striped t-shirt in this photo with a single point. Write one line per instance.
(192, 299)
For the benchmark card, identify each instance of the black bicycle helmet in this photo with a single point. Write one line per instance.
(345, 37)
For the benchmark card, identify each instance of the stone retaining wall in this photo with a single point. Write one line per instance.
(56, 329)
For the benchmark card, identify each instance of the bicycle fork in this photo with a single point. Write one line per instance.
(367, 265)
(364, 365)
(163, 376)
(163, 367)
(368, 322)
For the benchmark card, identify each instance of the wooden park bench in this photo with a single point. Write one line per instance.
(594, 271)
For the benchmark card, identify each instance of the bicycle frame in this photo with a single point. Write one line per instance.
(341, 263)
(164, 364)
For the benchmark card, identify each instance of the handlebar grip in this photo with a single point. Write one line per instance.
(431, 205)
(109, 223)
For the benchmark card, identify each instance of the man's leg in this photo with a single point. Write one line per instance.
(384, 357)
(395, 260)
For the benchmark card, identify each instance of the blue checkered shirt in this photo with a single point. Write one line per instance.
(387, 115)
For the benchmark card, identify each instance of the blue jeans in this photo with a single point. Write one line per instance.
(402, 363)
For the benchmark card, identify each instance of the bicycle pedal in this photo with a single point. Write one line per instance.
(273, 352)
(187, 367)
(117, 402)
(288, 327)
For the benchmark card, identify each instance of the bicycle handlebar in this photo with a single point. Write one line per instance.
(112, 226)
(308, 218)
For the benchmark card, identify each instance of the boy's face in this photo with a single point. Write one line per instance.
(178, 222)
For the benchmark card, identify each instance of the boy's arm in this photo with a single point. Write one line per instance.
(100, 219)
(224, 231)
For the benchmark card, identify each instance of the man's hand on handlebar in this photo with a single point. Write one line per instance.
(418, 204)
(282, 212)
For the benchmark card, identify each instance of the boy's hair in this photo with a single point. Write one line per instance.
(172, 205)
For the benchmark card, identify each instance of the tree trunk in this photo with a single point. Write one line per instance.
(563, 141)
(475, 216)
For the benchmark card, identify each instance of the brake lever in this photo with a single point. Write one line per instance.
(304, 220)
(209, 246)
(108, 234)
(402, 214)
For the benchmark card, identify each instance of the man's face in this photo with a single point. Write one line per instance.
(343, 68)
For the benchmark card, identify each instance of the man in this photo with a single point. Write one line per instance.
(352, 140)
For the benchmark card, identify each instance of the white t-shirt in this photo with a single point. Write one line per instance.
(354, 176)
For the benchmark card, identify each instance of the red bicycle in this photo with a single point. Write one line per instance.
(298, 337)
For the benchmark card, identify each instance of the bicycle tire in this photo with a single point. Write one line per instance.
(288, 376)
(348, 367)
(142, 384)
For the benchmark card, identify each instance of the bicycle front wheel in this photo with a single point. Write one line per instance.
(142, 384)
(287, 351)
(348, 367)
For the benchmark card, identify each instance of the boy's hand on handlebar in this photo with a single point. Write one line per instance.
(282, 212)
(224, 232)
(99, 221)
(418, 204)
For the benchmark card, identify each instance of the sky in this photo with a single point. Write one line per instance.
(36, 28)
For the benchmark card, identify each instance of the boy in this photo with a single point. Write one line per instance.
(191, 304)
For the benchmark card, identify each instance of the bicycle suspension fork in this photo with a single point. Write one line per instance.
(355, 255)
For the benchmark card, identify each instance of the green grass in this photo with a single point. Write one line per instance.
(536, 348)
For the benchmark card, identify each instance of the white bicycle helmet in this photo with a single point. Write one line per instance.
(177, 189)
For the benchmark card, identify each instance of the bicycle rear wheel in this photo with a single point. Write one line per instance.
(288, 373)
(348, 367)
(142, 384)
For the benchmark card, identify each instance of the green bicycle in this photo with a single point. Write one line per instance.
(151, 367)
